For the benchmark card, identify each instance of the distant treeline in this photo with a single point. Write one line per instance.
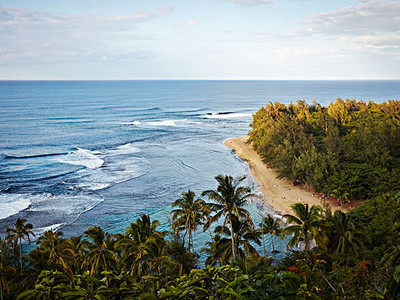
(350, 149)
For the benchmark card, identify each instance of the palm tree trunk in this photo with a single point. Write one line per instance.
(273, 250)
(233, 239)
(192, 243)
(262, 232)
(307, 244)
(190, 236)
(20, 251)
(1, 290)
(209, 231)
(183, 239)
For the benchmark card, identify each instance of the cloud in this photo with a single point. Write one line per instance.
(250, 2)
(364, 18)
(39, 36)
(371, 26)
(188, 23)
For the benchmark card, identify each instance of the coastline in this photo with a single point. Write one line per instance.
(278, 193)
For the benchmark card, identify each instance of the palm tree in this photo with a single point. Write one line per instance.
(132, 243)
(206, 212)
(143, 229)
(216, 251)
(307, 223)
(78, 247)
(181, 260)
(99, 250)
(229, 199)
(6, 269)
(20, 232)
(188, 215)
(273, 227)
(346, 238)
(58, 250)
(155, 254)
(6, 272)
(244, 233)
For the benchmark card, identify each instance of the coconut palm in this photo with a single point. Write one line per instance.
(99, 253)
(78, 247)
(273, 227)
(215, 252)
(57, 249)
(346, 238)
(143, 229)
(6, 269)
(307, 223)
(181, 260)
(229, 199)
(132, 243)
(155, 254)
(6, 272)
(188, 215)
(20, 232)
(244, 233)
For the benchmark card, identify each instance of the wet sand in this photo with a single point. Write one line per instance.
(279, 193)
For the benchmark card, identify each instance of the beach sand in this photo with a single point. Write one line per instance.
(279, 193)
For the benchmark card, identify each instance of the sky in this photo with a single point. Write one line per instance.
(199, 39)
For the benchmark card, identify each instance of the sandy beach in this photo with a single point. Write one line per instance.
(279, 193)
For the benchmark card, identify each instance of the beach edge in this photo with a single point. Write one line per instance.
(278, 193)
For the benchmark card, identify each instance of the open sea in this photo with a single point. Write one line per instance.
(74, 154)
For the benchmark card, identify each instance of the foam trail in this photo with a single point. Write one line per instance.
(227, 116)
(163, 123)
(82, 157)
(39, 231)
(125, 149)
(131, 123)
(12, 204)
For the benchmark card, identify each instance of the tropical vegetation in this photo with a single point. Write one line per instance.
(349, 149)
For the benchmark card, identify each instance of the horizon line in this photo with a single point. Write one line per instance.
(147, 79)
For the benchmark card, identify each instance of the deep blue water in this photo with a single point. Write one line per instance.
(74, 154)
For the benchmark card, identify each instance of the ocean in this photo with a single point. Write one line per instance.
(74, 154)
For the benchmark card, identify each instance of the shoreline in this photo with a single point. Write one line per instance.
(278, 193)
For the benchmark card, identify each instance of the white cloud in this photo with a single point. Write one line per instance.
(370, 26)
(41, 37)
(188, 23)
(364, 18)
(251, 2)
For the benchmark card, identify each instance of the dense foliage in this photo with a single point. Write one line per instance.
(354, 255)
(348, 150)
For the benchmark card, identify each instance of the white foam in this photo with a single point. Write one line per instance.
(163, 123)
(116, 169)
(13, 203)
(65, 206)
(194, 122)
(125, 149)
(90, 186)
(82, 157)
(131, 123)
(228, 116)
(39, 231)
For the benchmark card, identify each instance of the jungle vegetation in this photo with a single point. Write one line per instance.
(349, 149)
(353, 255)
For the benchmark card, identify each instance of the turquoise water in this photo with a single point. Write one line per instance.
(74, 154)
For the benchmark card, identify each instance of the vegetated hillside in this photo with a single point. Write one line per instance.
(350, 149)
